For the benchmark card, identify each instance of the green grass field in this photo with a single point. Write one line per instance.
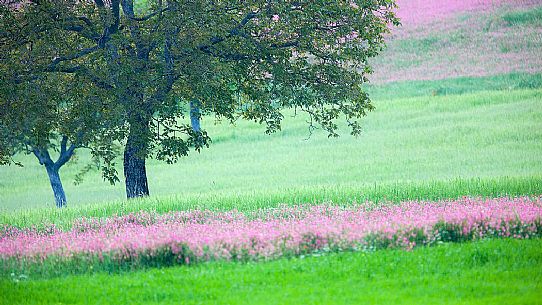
(455, 86)
(426, 140)
(488, 134)
(248, 201)
(486, 272)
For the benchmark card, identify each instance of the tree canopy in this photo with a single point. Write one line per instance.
(131, 68)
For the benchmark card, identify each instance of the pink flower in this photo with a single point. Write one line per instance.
(194, 236)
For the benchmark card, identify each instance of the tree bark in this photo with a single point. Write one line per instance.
(135, 171)
(42, 154)
(195, 115)
(56, 185)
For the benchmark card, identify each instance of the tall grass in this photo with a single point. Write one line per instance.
(455, 86)
(268, 198)
(530, 16)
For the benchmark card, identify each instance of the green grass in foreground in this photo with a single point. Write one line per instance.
(247, 201)
(484, 135)
(484, 272)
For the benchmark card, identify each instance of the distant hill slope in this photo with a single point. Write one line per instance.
(450, 38)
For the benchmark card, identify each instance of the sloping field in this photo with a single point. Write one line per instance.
(447, 39)
(424, 139)
(437, 202)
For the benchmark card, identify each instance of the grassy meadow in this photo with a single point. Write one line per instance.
(486, 272)
(418, 140)
(439, 131)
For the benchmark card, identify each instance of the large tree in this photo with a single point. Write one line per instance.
(154, 61)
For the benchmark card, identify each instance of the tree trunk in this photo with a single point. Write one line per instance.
(195, 115)
(42, 154)
(135, 171)
(56, 185)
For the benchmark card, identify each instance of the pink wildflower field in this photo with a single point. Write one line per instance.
(188, 237)
(419, 12)
(454, 38)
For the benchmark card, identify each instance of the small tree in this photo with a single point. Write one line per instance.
(228, 59)
(38, 116)
(45, 113)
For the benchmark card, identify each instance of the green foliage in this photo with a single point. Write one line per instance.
(44, 112)
(245, 61)
(491, 271)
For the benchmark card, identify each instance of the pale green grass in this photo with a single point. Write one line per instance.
(249, 201)
(455, 86)
(482, 135)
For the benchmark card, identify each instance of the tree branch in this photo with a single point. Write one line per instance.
(149, 16)
(63, 143)
(114, 27)
(206, 48)
(169, 67)
(222, 55)
(65, 156)
(85, 73)
(43, 156)
(86, 32)
(77, 55)
(235, 30)
(67, 152)
(288, 44)
(99, 3)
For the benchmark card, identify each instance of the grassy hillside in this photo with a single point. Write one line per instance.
(480, 135)
(454, 86)
(458, 98)
(495, 40)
